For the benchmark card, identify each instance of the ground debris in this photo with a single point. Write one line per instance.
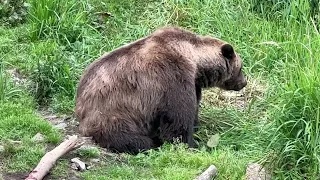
(209, 173)
(95, 160)
(238, 99)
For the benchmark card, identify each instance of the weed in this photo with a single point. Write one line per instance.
(287, 9)
(173, 162)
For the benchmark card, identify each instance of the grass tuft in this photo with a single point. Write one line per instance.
(57, 19)
(8, 91)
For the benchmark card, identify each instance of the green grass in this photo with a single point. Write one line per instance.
(88, 152)
(18, 125)
(173, 162)
(297, 114)
(278, 41)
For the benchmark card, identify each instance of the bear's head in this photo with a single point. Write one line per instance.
(236, 79)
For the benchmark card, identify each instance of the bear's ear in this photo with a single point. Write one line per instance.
(227, 51)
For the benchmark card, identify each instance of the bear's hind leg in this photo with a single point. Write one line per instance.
(123, 142)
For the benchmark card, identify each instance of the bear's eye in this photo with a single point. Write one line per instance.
(240, 70)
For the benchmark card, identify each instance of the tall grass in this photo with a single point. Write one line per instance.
(296, 103)
(284, 47)
(297, 115)
(286, 9)
(62, 20)
(54, 73)
(7, 89)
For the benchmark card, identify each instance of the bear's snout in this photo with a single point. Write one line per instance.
(241, 85)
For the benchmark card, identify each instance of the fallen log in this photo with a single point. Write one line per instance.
(50, 158)
(207, 174)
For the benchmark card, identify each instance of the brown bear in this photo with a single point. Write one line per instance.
(147, 92)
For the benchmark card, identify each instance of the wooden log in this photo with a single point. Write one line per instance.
(208, 174)
(50, 158)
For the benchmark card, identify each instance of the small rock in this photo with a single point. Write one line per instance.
(86, 140)
(257, 172)
(81, 166)
(95, 160)
(1, 149)
(61, 125)
(38, 137)
(74, 166)
(74, 178)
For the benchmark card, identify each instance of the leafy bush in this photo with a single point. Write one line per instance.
(13, 12)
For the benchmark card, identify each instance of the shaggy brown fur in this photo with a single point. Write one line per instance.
(147, 92)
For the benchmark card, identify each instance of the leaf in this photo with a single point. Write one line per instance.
(213, 141)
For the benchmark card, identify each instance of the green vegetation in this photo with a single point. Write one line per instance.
(89, 152)
(50, 42)
(173, 162)
(18, 125)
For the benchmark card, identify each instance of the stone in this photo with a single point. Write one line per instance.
(38, 137)
(256, 172)
(74, 166)
(95, 160)
(61, 126)
(81, 166)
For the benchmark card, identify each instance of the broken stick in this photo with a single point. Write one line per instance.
(50, 158)
(206, 175)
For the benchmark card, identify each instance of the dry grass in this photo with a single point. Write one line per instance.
(237, 99)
